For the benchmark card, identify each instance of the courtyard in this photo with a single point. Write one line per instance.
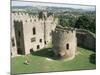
(44, 61)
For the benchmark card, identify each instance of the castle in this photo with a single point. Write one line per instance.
(31, 32)
(64, 42)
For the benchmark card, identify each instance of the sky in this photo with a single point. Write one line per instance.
(26, 3)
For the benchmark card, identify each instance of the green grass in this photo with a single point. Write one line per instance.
(38, 62)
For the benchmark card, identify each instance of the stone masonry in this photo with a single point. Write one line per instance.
(29, 33)
(64, 42)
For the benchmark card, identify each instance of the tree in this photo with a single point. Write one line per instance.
(82, 22)
(67, 20)
(86, 22)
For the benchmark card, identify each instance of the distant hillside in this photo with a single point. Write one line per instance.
(36, 9)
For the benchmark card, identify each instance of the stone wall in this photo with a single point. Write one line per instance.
(13, 42)
(86, 39)
(64, 42)
(18, 27)
(24, 24)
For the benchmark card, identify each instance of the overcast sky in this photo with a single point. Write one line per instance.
(23, 3)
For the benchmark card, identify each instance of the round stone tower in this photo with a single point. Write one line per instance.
(64, 42)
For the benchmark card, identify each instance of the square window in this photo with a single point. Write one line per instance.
(33, 39)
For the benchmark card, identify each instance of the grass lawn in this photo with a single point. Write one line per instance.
(39, 62)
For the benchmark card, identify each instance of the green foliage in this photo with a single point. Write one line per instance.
(68, 21)
(84, 21)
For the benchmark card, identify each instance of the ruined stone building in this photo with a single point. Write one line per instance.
(64, 42)
(31, 32)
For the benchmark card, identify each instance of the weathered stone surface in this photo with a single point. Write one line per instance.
(64, 42)
(86, 39)
(31, 33)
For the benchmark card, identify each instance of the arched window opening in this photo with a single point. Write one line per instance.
(38, 46)
(67, 46)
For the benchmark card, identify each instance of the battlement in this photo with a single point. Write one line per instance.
(65, 29)
(31, 17)
(18, 13)
(24, 14)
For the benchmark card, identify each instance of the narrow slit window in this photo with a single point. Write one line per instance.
(67, 46)
(40, 40)
(45, 42)
(38, 46)
(34, 31)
